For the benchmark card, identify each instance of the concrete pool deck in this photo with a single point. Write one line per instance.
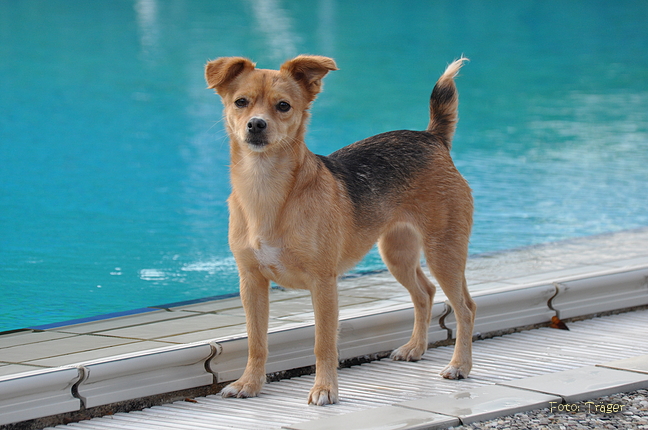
(70, 368)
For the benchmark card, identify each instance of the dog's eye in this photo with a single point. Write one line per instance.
(241, 103)
(283, 107)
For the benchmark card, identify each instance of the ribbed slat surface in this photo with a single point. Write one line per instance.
(385, 382)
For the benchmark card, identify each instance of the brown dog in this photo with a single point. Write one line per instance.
(301, 220)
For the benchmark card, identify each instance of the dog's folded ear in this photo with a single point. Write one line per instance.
(222, 71)
(309, 70)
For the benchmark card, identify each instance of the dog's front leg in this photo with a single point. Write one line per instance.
(325, 305)
(255, 298)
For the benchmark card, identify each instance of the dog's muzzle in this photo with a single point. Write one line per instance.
(256, 135)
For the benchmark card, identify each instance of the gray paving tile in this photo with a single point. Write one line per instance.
(601, 249)
(111, 351)
(27, 337)
(557, 256)
(375, 307)
(58, 347)
(234, 306)
(633, 364)
(584, 383)
(277, 294)
(374, 279)
(386, 417)
(385, 291)
(119, 322)
(501, 266)
(610, 247)
(356, 310)
(483, 403)
(630, 262)
(301, 308)
(210, 306)
(226, 333)
(207, 335)
(555, 275)
(188, 324)
(279, 309)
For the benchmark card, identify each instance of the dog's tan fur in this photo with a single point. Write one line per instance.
(296, 218)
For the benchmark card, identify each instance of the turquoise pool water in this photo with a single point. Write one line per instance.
(113, 158)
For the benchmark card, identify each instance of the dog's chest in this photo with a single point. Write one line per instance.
(269, 258)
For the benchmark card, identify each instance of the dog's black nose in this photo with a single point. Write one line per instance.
(256, 125)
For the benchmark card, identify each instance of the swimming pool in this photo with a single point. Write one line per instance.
(114, 159)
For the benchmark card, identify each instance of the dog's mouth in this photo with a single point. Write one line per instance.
(256, 142)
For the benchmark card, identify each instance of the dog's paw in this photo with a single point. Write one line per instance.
(407, 352)
(455, 372)
(321, 395)
(241, 389)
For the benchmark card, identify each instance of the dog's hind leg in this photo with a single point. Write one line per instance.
(400, 249)
(447, 263)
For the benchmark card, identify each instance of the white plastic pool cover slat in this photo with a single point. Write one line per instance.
(381, 383)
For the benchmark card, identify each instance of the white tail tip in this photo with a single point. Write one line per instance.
(453, 69)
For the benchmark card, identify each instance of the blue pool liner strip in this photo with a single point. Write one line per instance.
(92, 319)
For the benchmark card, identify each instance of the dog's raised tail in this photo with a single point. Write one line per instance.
(444, 102)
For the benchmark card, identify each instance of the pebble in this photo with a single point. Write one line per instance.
(634, 415)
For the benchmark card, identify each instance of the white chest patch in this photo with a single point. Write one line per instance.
(269, 256)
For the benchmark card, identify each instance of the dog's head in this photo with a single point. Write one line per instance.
(267, 108)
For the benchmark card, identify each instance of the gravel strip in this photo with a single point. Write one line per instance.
(618, 411)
